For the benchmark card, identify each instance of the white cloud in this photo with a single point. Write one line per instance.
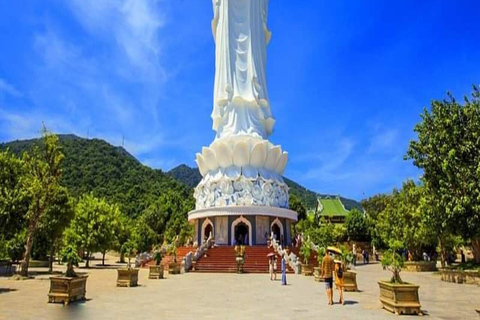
(134, 25)
(384, 140)
(330, 161)
(9, 89)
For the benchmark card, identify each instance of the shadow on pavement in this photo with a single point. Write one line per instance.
(6, 290)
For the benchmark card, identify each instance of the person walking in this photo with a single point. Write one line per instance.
(327, 274)
(339, 280)
(284, 269)
(272, 267)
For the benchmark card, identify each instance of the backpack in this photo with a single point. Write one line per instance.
(340, 272)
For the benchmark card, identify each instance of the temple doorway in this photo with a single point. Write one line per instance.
(241, 234)
(207, 230)
(276, 232)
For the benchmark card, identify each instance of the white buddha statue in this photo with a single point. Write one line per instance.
(241, 105)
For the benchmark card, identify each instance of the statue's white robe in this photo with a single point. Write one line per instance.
(241, 104)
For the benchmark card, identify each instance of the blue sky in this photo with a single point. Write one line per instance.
(347, 79)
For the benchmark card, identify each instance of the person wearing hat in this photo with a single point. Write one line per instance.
(328, 266)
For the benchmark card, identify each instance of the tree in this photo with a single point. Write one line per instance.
(356, 226)
(448, 151)
(124, 233)
(41, 183)
(94, 226)
(403, 220)
(373, 207)
(13, 205)
(55, 220)
(179, 230)
(296, 205)
(322, 235)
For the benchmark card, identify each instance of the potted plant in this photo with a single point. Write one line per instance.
(156, 271)
(349, 276)
(395, 295)
(173, 267)
(240, 258)
(306, 252)
(70, 287)
(128, 277)
(316, 270)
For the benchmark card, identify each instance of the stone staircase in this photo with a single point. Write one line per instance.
(167, 259)
(222, 260)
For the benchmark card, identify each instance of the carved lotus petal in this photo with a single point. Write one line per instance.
(259, 154)
(233, 172)
(221, 202)
(248, 200)
(216, 175)
(282, 163)
(266, 174)
(241, 154)
(202, 167)
(238, 185)
(272, 157)
(224, 155)
(250, 172)
(257, 192)
(210, 158)
(268, 189)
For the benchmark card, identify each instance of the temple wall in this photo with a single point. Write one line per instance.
(222, 227)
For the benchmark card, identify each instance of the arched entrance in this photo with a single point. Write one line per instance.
(207, 230)
(276, 232)
(241, 232)
(277, 229)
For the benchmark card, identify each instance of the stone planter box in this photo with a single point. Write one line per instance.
(461, 276)
(307, 269)
(472, 277)
(420, 266)
(173, 268)
(155, 272)
(400, 298)
(127, 277)
(67, 289)
(350, 281)
(455, 276)
(38, 264)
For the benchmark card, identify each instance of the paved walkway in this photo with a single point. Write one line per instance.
(230, 296)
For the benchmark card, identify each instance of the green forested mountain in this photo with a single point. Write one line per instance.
(93, 165)
(191, 177)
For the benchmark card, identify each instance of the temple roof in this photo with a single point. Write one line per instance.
(330, 207)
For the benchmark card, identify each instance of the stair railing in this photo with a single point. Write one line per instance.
(292, 258)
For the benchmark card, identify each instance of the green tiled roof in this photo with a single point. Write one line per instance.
(331, 207)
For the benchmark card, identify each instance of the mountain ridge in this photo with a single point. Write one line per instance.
(94, 165)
